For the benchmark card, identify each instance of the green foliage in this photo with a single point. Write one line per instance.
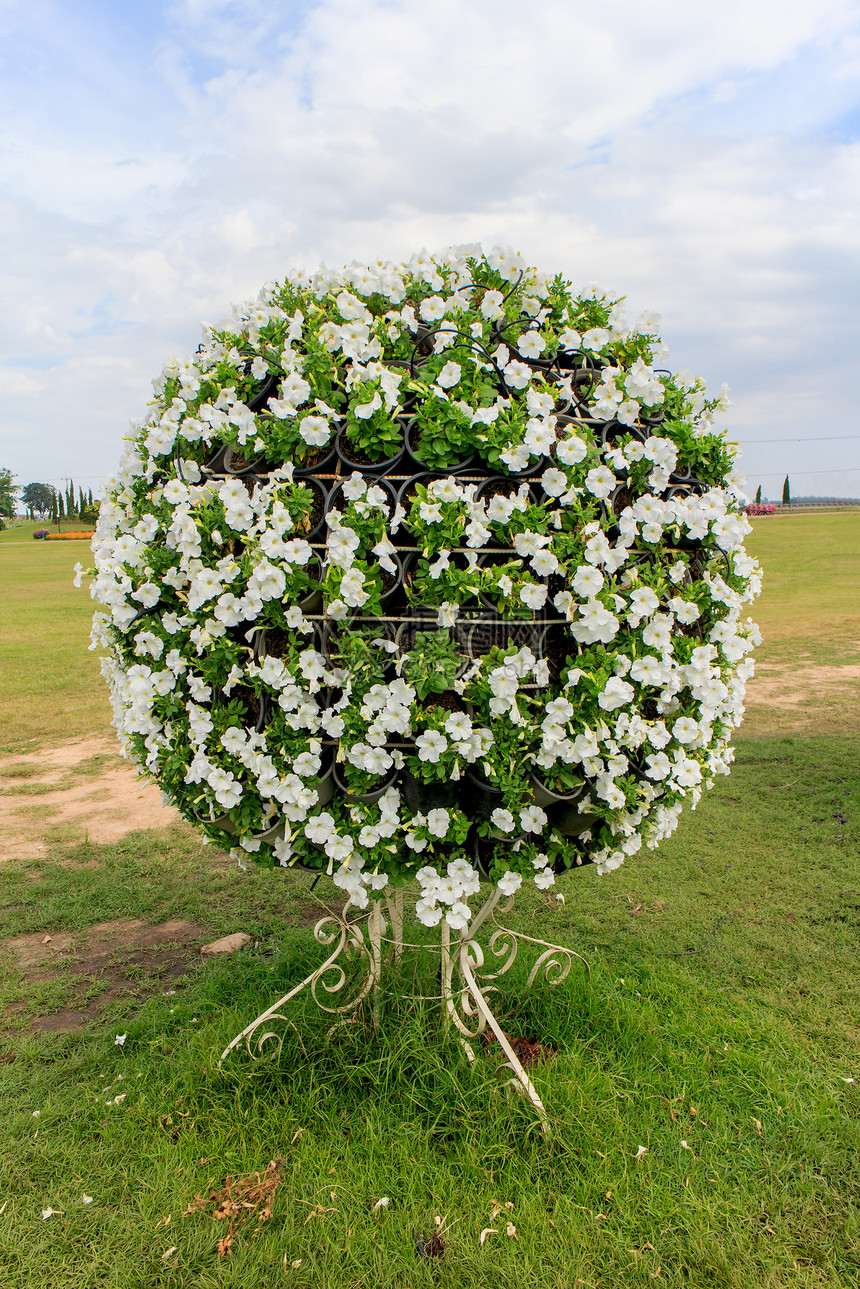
(432, 663)
(8, 489)
(39, 498)
(786, 492)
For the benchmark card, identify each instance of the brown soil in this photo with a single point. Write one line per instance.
(318, 507)
(356, 456)
(788, 686)
(112, 955)
(310, 459)
(104, 805)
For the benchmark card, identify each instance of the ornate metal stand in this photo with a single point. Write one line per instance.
(466, 982)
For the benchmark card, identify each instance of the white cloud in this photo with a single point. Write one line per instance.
(700, 160)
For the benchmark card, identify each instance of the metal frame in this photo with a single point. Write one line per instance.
(371, 936)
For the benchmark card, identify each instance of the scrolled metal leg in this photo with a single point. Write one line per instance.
(465, 981)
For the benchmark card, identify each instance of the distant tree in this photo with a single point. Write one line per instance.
(55, 514)
(39, 498)
(8, 488)
(61, 509)
(758, 495)
(786, 493)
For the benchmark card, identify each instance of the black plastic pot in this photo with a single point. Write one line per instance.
(337, 500)
(236, 464)
(477, 794)
(267, 388)
(349, 458)
(462, 466)
(322, 464)
(490, 630)
(421, 797)
(369, 797)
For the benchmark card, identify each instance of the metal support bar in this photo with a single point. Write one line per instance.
(465, 980)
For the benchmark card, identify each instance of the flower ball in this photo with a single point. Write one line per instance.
(428, 570)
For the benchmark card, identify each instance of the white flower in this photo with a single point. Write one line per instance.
(685, 729)
(428, 912)
(448, 614)
(587, 581)
(531, 344)
(616, 692)
(502, 820)
(352, 589)
(431, 745)
(533, 819)
(449, 375)
(438, 821)
(510, 883)
(544, 879)
(458, 916)
(491, 305)
(119, 1040)
(533, 596)
(600, 481)
(554, 482)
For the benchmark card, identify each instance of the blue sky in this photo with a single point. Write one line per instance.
(163, 160)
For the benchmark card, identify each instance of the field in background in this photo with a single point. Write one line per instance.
(718, 1031)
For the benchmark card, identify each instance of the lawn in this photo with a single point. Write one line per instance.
(704, 1096)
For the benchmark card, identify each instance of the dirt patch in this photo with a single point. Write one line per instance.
(802, 698)
(782, 685)
(112, 957)
(83, 786)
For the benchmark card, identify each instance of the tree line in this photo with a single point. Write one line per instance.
(42, 500)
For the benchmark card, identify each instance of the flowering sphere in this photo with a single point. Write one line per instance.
(428, 570)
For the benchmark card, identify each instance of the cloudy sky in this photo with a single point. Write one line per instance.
(163, 160)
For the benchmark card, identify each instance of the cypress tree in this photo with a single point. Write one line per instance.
(61, 512)
(758, 495)
(786, 493)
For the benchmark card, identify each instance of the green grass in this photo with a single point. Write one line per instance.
(718, 1030)
(48, 677)
(812, 578)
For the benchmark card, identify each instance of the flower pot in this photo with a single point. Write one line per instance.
(490, 630)
(392, 584)
(319, 510)
(477, 794)
(273, 833)
(352, 458)
(413, 448)
(517, 608)
(266, 389)
(421, 797)
(458, 559)
(545, 796)
(504, 485)
(324, 785)
(237, 464)
(555, 645)
(415, 622)
(215, 464)
(311, 601)
(481, 849)
(201, 815)
(318, 461)
(338, 501)
(372, 795)
(612, 430)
